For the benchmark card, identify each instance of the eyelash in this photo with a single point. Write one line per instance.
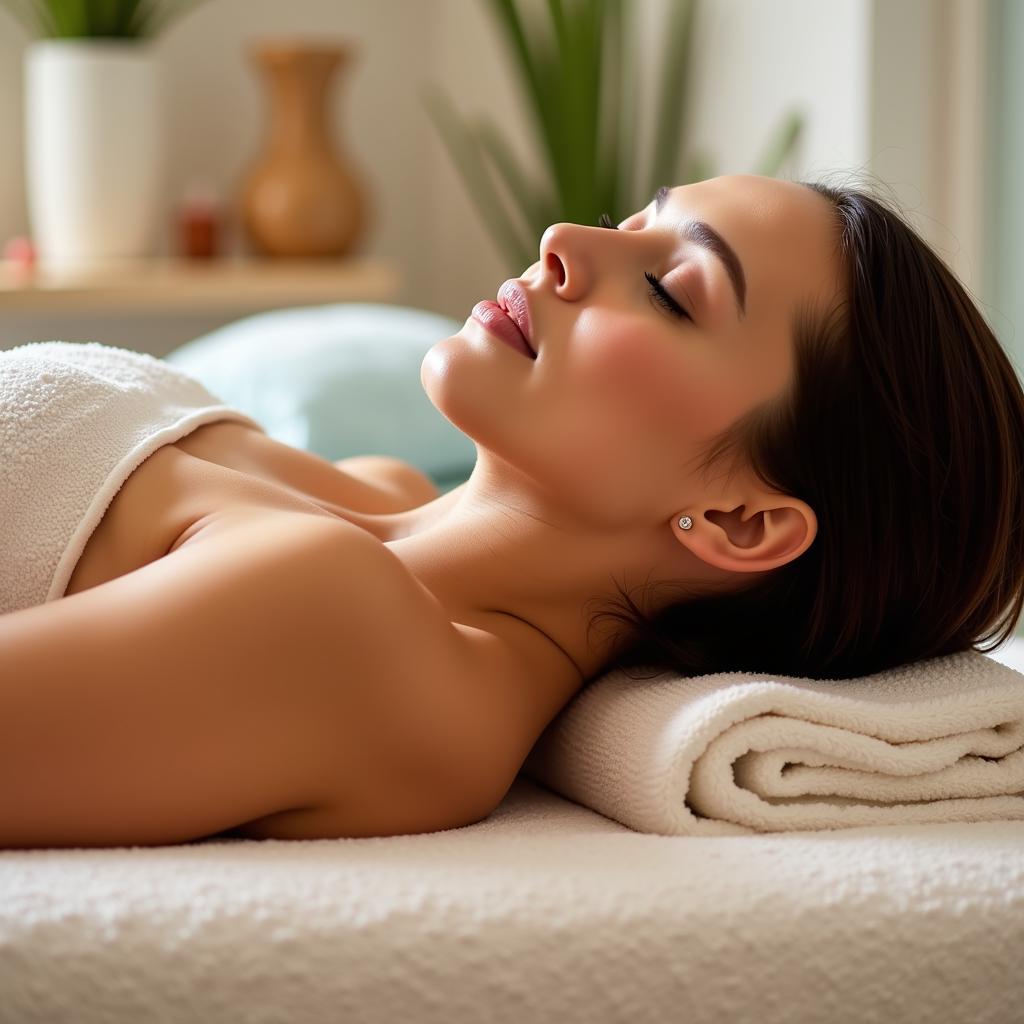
(657, 291)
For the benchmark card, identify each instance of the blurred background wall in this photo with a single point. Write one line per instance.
(925, 94)
(1004, 209)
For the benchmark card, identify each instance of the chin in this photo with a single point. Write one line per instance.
(435, 368)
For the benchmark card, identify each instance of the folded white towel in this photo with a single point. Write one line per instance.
(940, 740)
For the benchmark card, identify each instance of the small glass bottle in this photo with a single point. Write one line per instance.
(199, 223)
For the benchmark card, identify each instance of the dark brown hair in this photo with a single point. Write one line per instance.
(903, 429)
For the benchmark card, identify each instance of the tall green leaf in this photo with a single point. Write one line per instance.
(672, 107)
(625, 150)
(562, 99)
(781, 145)
(535, 63)
(592, 26)
(536, 204)
(579, 73)
(700, 167)
(465, 153)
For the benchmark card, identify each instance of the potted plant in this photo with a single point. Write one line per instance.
(579, 73)
(93, 126)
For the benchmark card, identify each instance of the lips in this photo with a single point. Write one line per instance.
(502, 326)
(512, 298)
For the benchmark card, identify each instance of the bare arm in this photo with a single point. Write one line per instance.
(230, 682)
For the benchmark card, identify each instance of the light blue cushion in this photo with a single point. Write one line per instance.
(337, 380)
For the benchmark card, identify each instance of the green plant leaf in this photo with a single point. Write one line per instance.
(589, 112)
(608, 187)
(672, 107)
(105, 19)
(104, 16)
(64, 14)
(94, 19)
(533, 66)
(782, 145)
(84, 19)
(137, 17)
(574, 117)
(558, 70)
(700, 167)
(465, 154)
(626, 154)
(579, 72)
(576, 95)
(538, 209)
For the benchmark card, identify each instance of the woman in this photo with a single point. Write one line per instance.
(762, 414)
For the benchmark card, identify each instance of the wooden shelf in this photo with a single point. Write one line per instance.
(195, 286)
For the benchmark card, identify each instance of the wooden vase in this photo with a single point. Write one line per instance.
(301, 198)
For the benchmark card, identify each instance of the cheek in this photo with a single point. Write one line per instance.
(656, 381)
(621, 359)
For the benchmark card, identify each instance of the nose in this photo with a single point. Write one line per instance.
(564, 260)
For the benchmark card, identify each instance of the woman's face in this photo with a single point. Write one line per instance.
(624, 394)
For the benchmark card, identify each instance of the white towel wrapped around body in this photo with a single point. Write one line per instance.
(76, 420)
(940, 740)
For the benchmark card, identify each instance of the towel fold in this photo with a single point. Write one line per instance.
(733, 753)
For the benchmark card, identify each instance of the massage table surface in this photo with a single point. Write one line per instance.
(544, 911)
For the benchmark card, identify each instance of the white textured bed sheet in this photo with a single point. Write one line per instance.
(544, 912)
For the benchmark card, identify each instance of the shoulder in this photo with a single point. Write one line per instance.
(337, 585)
(277, 673)
(402, 484)
(417, 721)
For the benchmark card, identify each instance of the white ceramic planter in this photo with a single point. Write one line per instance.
(93, 150)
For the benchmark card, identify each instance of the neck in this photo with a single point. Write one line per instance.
(522, 586)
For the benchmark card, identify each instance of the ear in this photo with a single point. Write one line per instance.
(750, 537)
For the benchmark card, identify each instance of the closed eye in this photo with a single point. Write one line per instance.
(656, 289)
(661, 296)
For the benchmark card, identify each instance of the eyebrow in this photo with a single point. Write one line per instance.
(704, 235)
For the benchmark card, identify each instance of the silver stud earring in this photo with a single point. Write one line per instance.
(685, 522)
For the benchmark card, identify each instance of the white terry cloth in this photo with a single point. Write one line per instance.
(544, 912)
(76, 419)
(940, 740)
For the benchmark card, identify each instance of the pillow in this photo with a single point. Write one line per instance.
(336, 380)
